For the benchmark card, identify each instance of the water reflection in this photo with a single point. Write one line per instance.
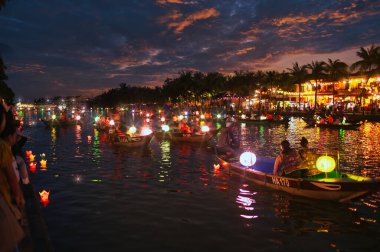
(245, 202)
(165, 164)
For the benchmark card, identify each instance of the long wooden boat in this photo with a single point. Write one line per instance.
(312, 122)
(334, 186)
(134, 141)
(59, 123)
(274, 121)
(186, 137)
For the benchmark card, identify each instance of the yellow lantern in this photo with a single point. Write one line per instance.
(132, 130)
(325, 164)
(31, 157)
(43, 163)
(53, 117)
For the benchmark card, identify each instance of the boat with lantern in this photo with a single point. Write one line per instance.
(130, 140)
(195, 137)
(59, 123)
(342, 125)
(265, 119)
(332, 185)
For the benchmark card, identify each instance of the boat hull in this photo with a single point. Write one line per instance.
(342, 189)
(135, 141)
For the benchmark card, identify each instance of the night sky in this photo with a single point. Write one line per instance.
(83, 47)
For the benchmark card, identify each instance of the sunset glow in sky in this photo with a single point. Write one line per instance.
(83, 47)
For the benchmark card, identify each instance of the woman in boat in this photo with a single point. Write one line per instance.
(308, 157)
(288, 162)
(184, 127)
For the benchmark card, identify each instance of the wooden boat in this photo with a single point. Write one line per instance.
(59, 123)
(332, 186)
(131, 141)
(274, 121)
(312, 122)
(187, 137)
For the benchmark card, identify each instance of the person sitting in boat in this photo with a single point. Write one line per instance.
(308, 157)
(184, 127)
(330, 119)
(288, 162)
(229, 140)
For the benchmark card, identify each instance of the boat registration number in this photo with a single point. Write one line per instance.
(280, 181)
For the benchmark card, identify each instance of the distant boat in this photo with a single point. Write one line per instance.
(59, 123)
(312, 122)
(124, 140)
(335, 186)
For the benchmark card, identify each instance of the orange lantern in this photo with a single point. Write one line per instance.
(31, 157)
(28, 153)
(44, 195)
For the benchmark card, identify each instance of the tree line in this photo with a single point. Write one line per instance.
(198, 87)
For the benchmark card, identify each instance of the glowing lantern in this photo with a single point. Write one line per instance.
(205, 128)
(77, 117)
(162, 119)
(325, 164)
(31, 157)
(263, 117)
(32, 167)
(202, 117)
(218, 116)
(97, 119)
(28, 153)
(43, 156)
(44, 195)
(132, 130)
(165, 128)
(53, 117)
(216, 166)
(112, 122)
(89, 138)
(180, 117)
(43, 163)
(147, 120)
(247, 159)
(146, 131)
(243, 116)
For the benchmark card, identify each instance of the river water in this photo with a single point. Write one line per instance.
(169, 197)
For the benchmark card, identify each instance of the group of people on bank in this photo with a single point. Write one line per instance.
(13, 174)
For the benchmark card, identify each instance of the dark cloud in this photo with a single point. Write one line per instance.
(80, 47)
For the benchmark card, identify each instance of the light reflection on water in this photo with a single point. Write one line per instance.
(172, 197)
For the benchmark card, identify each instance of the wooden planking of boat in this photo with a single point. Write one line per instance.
(341, 187)
(187, 137)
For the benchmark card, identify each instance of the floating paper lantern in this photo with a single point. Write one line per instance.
(147, 120)
(53, 117)
(44, 196)
(28, 153)
(325, 164)
(77, 117)
(32, 157)
(89, 138)
(165, 128)
(32, 167)
(202, 117)
(216, 166)
(112, 122)
(248, 159)
(43, 156)
(218, 116)
(43, 164)
(243, 116)
(97, 119)
(162, 119)
(146, 131)
(205, 128)
(180, 117)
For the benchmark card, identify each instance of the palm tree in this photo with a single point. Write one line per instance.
(317, 69)
(368, 65)
(271, 77)
(299, 75)
(335, 70)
